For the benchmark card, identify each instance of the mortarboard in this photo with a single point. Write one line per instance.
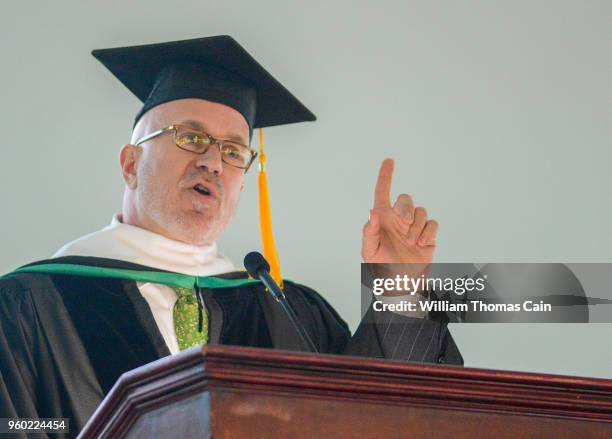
(212, 68)
(217, 69)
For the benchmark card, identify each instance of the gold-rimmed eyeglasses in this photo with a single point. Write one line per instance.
(189, 139)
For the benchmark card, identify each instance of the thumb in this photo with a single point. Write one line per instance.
(371, 237)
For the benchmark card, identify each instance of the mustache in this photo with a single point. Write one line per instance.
(206, 176)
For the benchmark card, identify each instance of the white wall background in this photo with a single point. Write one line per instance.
(497, 113)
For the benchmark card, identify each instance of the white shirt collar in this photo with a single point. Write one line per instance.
(134, 244)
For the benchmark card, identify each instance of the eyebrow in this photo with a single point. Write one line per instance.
(199, 126)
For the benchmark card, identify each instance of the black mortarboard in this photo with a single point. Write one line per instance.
(215, 68)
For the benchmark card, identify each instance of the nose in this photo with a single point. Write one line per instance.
(211, 159)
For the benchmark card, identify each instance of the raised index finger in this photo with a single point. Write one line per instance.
(382, 193)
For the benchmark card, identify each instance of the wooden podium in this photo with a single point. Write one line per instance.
(232, 392)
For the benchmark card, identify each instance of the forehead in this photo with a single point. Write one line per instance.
(217, 119)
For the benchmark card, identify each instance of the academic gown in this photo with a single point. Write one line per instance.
(68, 331)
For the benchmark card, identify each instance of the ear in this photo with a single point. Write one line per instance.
(128, 159)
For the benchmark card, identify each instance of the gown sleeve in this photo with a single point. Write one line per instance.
(383, 334)
(17, 365)
(38, 377)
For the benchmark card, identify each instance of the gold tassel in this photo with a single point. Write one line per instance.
(265, 217)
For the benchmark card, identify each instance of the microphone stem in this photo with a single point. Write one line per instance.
(278, 294)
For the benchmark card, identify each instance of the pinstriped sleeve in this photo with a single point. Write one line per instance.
(397, 337)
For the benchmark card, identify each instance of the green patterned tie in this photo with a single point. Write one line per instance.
(186, 315)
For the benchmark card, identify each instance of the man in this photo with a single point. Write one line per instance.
(152, 283)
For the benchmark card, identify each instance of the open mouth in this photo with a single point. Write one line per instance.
(201, 190)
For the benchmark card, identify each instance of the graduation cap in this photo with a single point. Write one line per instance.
(216, 69)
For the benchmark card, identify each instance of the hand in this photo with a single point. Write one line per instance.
(400, 233)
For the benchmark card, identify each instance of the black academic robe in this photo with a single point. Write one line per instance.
(66, 338)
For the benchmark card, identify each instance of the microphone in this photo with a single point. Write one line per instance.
(258, 268)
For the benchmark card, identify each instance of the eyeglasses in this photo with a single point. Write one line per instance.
(189, 139)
